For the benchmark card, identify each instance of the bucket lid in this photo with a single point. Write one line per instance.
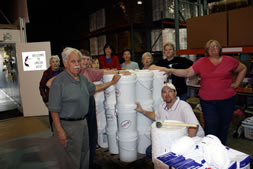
(109, 106)
(147, 103)
(248, 121)
(127, 135)
(110, 130)
(144, 73)
(126, 106)
(159, 73)
(132, 76)
(97, 82)
(107, 77)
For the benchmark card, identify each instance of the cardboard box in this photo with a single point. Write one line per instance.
(240, 27)
(203, 28)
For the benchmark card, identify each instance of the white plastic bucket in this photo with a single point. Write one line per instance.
(99, 96)
(125, 89)
(112, 140)
(101, 121)
(110, 95)
(127, 146)
(102, 139)
(163, 137)
(144, 140)
(142, 120)
(144, 85)
(100, 108)
(158, 80)
(144, 127)
(110, 92)
(126, 118)
(110, 115)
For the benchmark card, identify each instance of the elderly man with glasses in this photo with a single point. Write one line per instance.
(69, 103)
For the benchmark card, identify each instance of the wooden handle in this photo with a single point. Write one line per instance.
(179, 124)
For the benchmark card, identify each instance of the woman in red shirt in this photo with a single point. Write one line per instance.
(109, 61)
(217, 87)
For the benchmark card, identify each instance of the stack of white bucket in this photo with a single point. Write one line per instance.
(126, 113)
(110, 113)
(101, 120)
(131, 128)
(144, 95)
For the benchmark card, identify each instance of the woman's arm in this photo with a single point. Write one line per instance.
(241, 70)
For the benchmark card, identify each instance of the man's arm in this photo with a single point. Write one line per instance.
(60, 131)
(149, 114)
(103, 86)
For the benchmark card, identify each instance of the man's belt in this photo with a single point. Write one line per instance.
(72, 119)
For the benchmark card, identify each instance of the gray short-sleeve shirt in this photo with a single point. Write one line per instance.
(70, 98)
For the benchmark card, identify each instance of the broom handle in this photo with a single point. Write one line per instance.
(179, 124)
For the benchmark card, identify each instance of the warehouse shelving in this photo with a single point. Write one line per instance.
(226, 50)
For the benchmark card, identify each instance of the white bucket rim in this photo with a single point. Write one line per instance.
(127, 135)
(126, 106)
(111, 131)
(98, 82)
(109, 106)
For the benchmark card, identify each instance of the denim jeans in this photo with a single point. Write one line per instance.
(149, 151)
(183, 96)
(218, 115)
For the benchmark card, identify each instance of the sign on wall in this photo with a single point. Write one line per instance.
(33, 61)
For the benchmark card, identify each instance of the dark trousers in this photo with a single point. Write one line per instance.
(92, 127)
(218, 115)
(149, 151)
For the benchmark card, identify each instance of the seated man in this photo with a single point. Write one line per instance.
(172, 108)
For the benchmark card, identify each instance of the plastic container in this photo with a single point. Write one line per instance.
(126, 115)
(112, 140)
(110, 92)
(125, 89)
(163, 137)
(248, 128)
(144, 85)
(127, 146)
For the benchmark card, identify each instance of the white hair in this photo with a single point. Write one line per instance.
(67, 51)
(54, 57)
(147, 54)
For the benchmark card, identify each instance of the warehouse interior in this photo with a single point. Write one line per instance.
(26, 140)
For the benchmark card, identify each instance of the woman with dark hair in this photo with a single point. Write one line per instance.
(128, 64)
(217, 87)
(109, 61)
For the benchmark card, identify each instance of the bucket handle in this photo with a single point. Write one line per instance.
(108, 89)
(144, 85)
(126, 149)
(123, 147)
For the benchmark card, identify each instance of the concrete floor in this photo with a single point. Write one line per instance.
(26, 143)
